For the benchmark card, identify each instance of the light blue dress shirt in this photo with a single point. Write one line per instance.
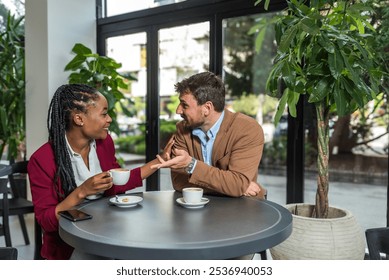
(207, 140)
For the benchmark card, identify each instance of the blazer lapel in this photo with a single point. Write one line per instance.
(218, 150)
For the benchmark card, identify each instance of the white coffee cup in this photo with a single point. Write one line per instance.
(192, 195)
(120, 176)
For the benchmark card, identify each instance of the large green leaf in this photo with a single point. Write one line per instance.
(281, 107)
(292, 100)
(320, 91)
(287, 38)
(335, 63)
(309, 26)
(353, 91)
(340, 101)
(81, 49)
(259, 39)
(75, 63)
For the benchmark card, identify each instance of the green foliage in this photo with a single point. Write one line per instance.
(247, 104)
(174, 102)
(245, 70)
(12, 86)
(137, 144)
(380, 20)
(274, 152)
(325, 52)
(102, 73)
(133, 144)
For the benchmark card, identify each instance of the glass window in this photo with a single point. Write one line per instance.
(245, 73)
(183, 51)
(358, 160)
(130, 51)
(117, 7)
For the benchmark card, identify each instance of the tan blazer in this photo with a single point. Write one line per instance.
(236, 154)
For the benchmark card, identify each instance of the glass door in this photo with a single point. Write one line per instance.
(130, 51)
(183, 51)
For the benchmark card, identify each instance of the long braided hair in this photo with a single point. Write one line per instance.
(66, 100)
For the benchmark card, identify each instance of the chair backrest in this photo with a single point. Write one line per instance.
(378, 242)
(18, 183)
(17, 179)
(4, 227)
(8, 253)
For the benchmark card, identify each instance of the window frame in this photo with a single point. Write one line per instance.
(184, 13)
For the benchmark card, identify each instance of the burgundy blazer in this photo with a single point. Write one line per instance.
(41, 172)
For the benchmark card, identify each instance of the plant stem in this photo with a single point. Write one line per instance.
(322, 112)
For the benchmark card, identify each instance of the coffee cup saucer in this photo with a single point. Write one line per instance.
(201, 204)
(126, 201)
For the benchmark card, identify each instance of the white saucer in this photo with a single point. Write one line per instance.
(126, 201)
(201, 204)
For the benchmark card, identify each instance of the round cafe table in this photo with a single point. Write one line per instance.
(160, 228)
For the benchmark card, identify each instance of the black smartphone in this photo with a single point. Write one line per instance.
(75, 215)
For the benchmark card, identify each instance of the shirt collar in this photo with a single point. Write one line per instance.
(72, 152)
(212, 132)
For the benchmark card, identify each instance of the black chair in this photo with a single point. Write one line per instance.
(8, 253)
(19, 205)
(4, 204)
(378, 243)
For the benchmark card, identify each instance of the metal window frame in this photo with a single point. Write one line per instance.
(188, 12)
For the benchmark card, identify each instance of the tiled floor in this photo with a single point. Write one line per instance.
(25, 252)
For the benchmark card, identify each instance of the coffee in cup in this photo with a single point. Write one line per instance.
(192, 195)
(120, 176)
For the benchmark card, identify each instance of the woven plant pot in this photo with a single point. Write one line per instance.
(339, 237)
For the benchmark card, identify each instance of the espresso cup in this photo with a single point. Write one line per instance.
(192, 195)
(119, 176)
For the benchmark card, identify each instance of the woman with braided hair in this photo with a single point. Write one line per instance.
(73, 165)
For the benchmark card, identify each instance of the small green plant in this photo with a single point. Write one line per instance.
(101, 72)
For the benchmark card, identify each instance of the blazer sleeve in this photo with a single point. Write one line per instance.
(41, 172)
(232, 173)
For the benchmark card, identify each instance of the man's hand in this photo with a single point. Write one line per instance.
(253, 189)
(167, 151)
(181, 160)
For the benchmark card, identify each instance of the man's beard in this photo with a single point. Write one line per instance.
(191, 126)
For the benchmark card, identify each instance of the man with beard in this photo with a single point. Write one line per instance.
(214, 148)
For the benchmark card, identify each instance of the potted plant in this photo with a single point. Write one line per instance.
(101, 72)
(12, 89)
(324, 53)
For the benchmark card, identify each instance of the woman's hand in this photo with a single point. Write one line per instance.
(96, 184)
